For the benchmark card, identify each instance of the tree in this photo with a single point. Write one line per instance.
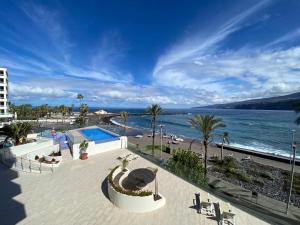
(297, 109)
(124, 116)
(225, 139)
(154, 110)
(206, 124)
(17, 131)
(80, 98)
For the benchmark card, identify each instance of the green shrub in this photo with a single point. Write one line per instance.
(123, 191)
(258, 183)
(186, 164)
(266, 175)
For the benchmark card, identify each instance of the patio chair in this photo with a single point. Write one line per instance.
(226, 216)
(207, 205)
(197, 202)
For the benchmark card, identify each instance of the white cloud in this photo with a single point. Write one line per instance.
(198, 63)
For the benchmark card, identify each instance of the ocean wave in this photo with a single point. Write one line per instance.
(260, 147)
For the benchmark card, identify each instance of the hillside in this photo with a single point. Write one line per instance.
(285, 102)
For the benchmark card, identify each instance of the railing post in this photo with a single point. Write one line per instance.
(52, 168)
(40, 167)
(22, 162)
(30, 165)
(16, 161)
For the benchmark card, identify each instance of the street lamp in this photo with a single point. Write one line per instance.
(161, 127)
(294, 146)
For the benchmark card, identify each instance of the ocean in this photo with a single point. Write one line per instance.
(260, 130)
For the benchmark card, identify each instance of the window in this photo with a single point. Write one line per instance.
(1, 72)
(2, 111)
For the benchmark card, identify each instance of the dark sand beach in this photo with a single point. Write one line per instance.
(212, 150)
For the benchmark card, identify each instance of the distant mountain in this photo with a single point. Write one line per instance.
(285, 102)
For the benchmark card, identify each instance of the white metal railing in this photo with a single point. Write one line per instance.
(21, 163)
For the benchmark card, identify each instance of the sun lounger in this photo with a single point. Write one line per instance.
(139, 136)
(247, 158)
(230, 155)
(32, 136)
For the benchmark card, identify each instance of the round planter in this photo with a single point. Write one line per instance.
(84, 156)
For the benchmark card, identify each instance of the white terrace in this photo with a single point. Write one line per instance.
(76, 194)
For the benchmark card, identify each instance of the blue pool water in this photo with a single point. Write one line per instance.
(97, 135)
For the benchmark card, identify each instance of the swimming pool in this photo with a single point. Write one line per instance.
(98, 135)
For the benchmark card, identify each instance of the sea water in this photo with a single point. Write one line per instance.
(260, 130)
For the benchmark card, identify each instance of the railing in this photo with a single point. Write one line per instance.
(270, 210)
(21, 163)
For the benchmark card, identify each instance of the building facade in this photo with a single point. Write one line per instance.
(4, 108)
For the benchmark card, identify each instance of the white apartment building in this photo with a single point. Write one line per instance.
(4, 110)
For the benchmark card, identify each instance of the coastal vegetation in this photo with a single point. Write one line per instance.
(206, 125)
(124, 117)
(81, 119)
(186, 164)
(17, 131)
(29, 112)
(154, 110)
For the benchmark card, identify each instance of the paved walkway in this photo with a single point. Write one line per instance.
(76, 194)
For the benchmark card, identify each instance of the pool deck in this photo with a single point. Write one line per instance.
(76, 194)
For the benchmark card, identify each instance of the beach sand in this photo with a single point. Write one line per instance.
(212, 150)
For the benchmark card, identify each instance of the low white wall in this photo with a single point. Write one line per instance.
(101, 147)
(42, 152)
(130, 203)
(30, 147)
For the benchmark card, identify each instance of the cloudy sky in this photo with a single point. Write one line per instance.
(133, 53)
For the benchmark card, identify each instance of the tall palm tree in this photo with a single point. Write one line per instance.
(124, 116)
(297, 109)
(225, 139)
(206, 124)
(154, 110)
(80, 98)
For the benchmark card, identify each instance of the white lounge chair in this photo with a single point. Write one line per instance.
(139, 136)
(247, 158)
(32, 136)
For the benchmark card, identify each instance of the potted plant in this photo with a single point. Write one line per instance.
(83, 147)
(125, 163)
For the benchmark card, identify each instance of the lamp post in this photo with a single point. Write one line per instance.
(294, 146)
(161, 127)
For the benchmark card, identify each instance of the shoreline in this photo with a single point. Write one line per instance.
(212, 150)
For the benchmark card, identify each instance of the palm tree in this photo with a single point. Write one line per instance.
(154, 110)
(206, 124)
(80, 98)
(225, 139)
(124, 117)
(297, 109)
(17, 131)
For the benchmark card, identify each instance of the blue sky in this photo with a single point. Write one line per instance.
(134, 53)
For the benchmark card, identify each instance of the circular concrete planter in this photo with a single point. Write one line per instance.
(138, 204)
